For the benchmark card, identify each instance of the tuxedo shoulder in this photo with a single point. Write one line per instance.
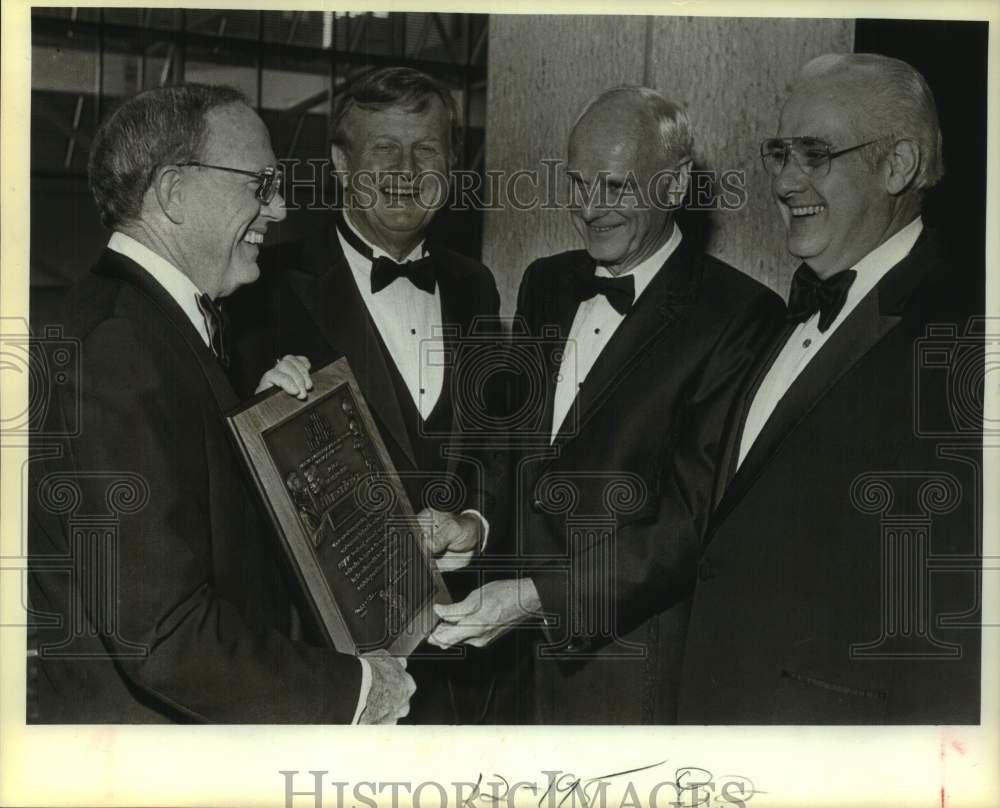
(462, 265)
(552, 268)
(732, 289)
(81, 308)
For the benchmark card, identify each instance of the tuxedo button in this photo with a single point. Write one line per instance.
(706, 570)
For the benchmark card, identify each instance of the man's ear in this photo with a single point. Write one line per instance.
(168, 191)
(340, 166)
(901, 165)
(339, 158)
(673, 184)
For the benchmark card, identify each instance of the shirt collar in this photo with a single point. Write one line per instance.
(644, 272)
(174, 282)
(874, 266)
(377, 252)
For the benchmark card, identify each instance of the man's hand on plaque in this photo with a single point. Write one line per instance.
(291, 374)
(389, 697)
(450, 532)
(486, 614)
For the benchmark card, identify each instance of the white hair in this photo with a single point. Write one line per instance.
(892, 102)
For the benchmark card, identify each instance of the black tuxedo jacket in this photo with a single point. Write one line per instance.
(151, 573)
(816, 601)
(307, 303)
(611, 516)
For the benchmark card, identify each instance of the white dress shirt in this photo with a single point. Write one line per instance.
(593, 326)
(174, 282)
(182, 289)
(409, 321)
(807, 340)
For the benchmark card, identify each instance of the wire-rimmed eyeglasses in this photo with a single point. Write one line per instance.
(811, 154)
(270, 179)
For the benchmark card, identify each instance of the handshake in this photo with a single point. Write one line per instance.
(486, 614)
(452, 539)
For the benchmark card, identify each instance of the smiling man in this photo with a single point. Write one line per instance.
(369, 285)
(648, 342)
(818, 604)
(165, 602)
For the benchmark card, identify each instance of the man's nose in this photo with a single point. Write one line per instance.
(789, 179)
(275, 209)
(587, 205)
(404, 162)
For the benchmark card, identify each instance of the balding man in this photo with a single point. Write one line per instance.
(821, 604)
(649, 341)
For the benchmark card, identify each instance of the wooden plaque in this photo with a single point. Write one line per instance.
(342, 514)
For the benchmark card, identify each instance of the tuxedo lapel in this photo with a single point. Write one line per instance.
(731, 453)
(560, 304)
(861, 332)
(664, 301)
(332, 299)
(115, 265)
(878, 313)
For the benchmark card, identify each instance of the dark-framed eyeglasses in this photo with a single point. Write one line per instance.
(811, 154)
(270, 179)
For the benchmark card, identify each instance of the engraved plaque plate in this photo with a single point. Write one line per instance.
(337, 503)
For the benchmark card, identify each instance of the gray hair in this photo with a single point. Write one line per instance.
(153, 129)
(893, 102)
(401, 87)
(671, 121)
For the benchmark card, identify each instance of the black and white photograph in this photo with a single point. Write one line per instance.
(571, 406)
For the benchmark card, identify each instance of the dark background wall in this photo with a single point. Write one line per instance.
(952, 56)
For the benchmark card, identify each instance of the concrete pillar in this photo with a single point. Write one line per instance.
(730, 74)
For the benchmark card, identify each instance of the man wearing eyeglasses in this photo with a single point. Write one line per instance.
(645, 343)
(815, 601)
(148, 546)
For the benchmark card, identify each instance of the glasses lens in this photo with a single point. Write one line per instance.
(269, 186)
(264, 191)
(774, 153)
(812, 153)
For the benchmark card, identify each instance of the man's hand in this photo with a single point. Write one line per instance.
(487, 613)
(450, 532)
(389, 697)
(291, 374)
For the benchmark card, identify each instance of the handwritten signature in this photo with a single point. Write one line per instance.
(688, 787)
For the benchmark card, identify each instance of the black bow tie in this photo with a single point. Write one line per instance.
(217, 325)
(620, 291)
(810, 294)
(384, 270)
(419, 273)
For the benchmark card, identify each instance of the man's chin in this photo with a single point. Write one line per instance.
(243, 276)
(605, 254)
(402, 223)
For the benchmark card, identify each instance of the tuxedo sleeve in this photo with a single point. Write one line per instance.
(203, 655)
(652, 560)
